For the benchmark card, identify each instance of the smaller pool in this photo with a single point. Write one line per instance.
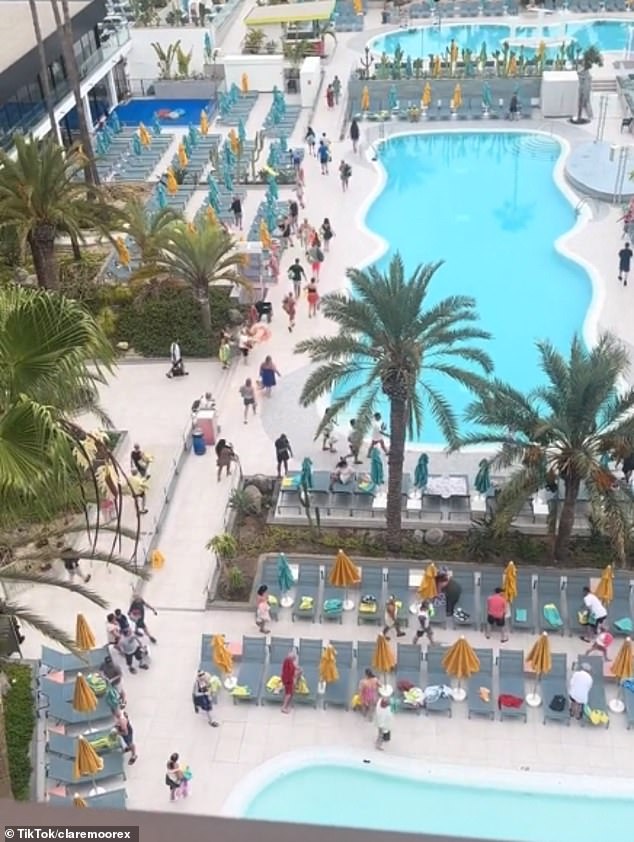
(171, 112)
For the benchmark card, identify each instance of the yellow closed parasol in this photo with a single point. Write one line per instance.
(84, 699)
(234, 141)
(461, 662)
(509, 582)
(622, 668)
(221, 655)
(456, 99)
(427, 588)
(605, 588)
(84, 637)
(426, 98)
(437, 66)
(244, 83)
(78, 801)
(365, 99)
(144, 136)
(344, 574)
(87, 761)
(383, 660)
(265, 236)
(540, 660)
(182, 156)
(357, 6)
(172, 184)
(328, 672)
(122, 252)
(204, 122)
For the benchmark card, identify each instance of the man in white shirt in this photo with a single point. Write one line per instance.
(579, 689)
(377, 434)
(383, 718)
(596, 612)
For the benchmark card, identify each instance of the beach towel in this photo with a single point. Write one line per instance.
(355, 702)
(274, 684)
(624, 625)
(521, 615)
(306, 603)
(414, 697)
(552, 615)
(437, 691)
(333, 606)
(302, 687)
(595, 716)
(241, 691)
(508, 700)
(272, 600)
(485, 694)
(404, 685)
(290, 483)
(628, 684)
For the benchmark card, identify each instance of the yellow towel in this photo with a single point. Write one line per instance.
(367, 608)
(241, 691)
(306, 603)
(301, 687)
(272, 600)
(355, 702)
(596, 716)
(274, 684)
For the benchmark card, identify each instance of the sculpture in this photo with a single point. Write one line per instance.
(591, 56)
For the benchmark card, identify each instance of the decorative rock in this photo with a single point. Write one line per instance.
(418, 535)
(434, 537)
(254, 496)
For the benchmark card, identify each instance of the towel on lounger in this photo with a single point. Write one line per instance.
(508, 700)
(552, 615)
(624, 625)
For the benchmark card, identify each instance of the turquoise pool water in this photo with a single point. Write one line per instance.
(362, 797)
(485, 203)
(419, 42)
(171, 112)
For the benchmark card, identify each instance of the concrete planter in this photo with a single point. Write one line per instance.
(184, 89)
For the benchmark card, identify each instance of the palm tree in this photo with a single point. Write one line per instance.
(198, 257)
(40, 195)
(564, 431)
(386, 342)
(150, 231)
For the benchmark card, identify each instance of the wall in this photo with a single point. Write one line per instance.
(309, 78)
(264, 72)
(185, 89)
(142, 62)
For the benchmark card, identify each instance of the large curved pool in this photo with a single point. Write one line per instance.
(420, 42)
(487, 204)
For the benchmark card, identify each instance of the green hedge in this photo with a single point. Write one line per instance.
(19, 720)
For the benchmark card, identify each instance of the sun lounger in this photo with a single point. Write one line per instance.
(628, 699)
(467, 599)
(555, 683)
(398, 586)
(549, 603)
(206, 655)
(575, 583)
(61, 769)
(60, 704)
(269, 578)
(596, 700)
(333, 599)
(339, 693)
(308, 582)
(310, 652)
(408, 669)
(522, 612)
(251, 669)
(66, 662)
(371, 586)
(482, 680)
(489, 581)
(620, 615)
(511, 684)
(278, 650)
(437, 677)
(114, 799)
(365, 652)
(66, 746)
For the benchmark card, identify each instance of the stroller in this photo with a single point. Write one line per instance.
(177, 369)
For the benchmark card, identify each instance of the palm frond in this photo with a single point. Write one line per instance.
(39, 623)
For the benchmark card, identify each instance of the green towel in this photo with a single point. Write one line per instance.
(552, 615)
(332, 606)
(521, 615)
(624, 625)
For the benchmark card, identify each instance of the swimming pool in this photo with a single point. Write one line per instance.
(172, 112)
(487, 204)
(398, 795)
(419, 42)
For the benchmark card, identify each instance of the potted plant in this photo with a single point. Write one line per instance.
(271, 47)
(253, 41)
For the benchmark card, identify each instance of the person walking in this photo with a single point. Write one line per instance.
(283, 453)
(295, 274)
(345, 171)
(236, 210)
(323, 153)
(122, 620)
(262, 609)
(354, 135)
(113, 631)
(299, 193)
(391, 618)
(336, 89)
(247, 393)
(424, 623)
(225, 455)
(579, 687)
(224, 353)
(311, 139)
(315, 255)
(202, 696)
(140, 461)
(113, 675)
(245, 343)
(138, 489)
(293, 215)
(286, 232)
(312, 296)
(330, 97)
(625, 260)
(383, 718)
(368, 693)
(326, 233)
(289, 306)
(596, 613)
(305, 234)
(70, 560)
(378, 433)
(496, 614)
(355, 440)
(136, 613)
(268, 375)
(328, 437)
(123, 727)
(175, 778)
(291, 673)
(130, 647)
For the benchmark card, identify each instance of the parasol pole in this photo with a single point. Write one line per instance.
(533, 699)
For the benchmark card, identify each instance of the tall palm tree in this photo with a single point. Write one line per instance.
(150, 231)
(387, 342)
(198, 257)
(46, 84)
(564, 431)
(40, 195)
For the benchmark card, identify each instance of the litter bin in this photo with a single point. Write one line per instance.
(198, 439)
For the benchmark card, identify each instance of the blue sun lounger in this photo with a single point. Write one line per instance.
(332, 602)
(620, 615)
(549, 603)
(269, 578)
(339, 693)
(114, 799)
(278, 650)
(251, 669)
(307, 593)
(596, 699)
(398, 585)
(477, 706)
(437, 677)
(66, 746)
(489, 581)
(467, 599)
(365, 652)
(575, 583)
(62, 769)
(522, 612)
(60, 704)
(408, 669)
(206, 656)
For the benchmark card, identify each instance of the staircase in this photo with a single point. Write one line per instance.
(604, 86)
(538, 146)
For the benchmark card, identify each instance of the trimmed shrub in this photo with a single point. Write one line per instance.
(19, 719)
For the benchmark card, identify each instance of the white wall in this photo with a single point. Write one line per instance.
(309, 75)
(142, 61)
(264, 72)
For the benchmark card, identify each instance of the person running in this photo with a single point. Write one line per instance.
(268, 375)
(327, 233)
(236, 210)
(295, 274)
(345, 171)
(311, 139)
(283, 452)
(354, 135)
(378, 433)
(247, 393)
(424, 623)
(625, 260)
(124, 730)
(323, 153)
(312, 296)
(328, 437)
(136, 613)
(70, 560)
(289, 306)
(391, 619)
(496, 614)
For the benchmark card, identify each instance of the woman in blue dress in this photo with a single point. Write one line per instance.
(268, 375)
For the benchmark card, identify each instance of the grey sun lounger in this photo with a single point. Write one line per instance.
(308, 582)
(66, 746)
(621, 606)
(408, 668)
(467, 599)
(114, 799)
(575, 583)
(628, 700)
(67, 662)
(310, 652)
(549, 593)
(436, 676)
(484, 678)
(522, 612)
(251, 669)
(511, 682)
(278, 650)
(61, 769)
(330, 593)
(398, 586)
(371, 585)
(489, 581)
(206, 657)
(596, 699)
(365, 652)
(60, 704)
(555, 683)
(339, 693)
(269, 578)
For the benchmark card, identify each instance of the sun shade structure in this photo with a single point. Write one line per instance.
(540, 659)
(84, 699)
(314, 10)
(328, 672)
(84, 637)
(461, 662)
(344, 573)
(427, 588)
(605, 588)
(383, 659)
(87, 761)
(622, 667)
(221, 654)
(509, 582)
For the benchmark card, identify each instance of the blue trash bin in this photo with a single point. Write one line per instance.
(198, 440)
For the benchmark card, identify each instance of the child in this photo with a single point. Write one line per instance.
(224, 352)
(601, 644)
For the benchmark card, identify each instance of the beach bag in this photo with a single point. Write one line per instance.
(386, 736)
(461, 616)
(583, 618)
(557, 703)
